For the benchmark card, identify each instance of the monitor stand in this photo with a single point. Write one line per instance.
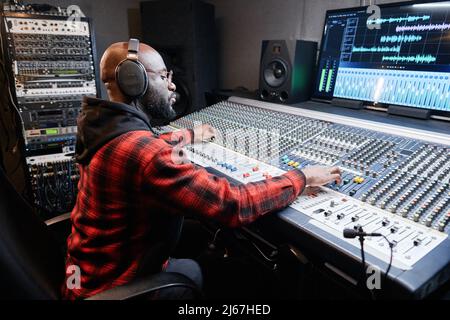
(346, 103)
(409, 112)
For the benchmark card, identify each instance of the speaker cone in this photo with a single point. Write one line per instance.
(275, 73)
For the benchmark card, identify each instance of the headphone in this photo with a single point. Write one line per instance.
(131, 76)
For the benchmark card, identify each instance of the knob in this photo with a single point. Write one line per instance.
(328, 213)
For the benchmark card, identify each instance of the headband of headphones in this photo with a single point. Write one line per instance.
(133, 49)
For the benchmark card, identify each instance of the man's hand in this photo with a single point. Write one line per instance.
(319, 176)
(204, 133)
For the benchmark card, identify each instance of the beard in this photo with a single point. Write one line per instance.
(157, 107)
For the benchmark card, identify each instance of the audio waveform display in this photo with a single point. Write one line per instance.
(402, 38)
(377, 49)
(399, 19)
(412, 41)
(419, 58)
(429, 90)
(424, 27)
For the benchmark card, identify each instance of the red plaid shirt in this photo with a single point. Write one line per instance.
(132, 177)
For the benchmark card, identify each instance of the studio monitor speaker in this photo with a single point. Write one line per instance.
(287, 70)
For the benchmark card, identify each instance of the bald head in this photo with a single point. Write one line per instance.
(157, 101)
(115, 54)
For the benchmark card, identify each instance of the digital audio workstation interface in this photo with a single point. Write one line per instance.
(400, 58)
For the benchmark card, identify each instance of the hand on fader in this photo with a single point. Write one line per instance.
(318, 176)
(204, 133)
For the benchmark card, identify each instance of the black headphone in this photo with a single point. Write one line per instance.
(131, 76)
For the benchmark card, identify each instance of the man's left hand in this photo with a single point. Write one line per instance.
(204, 133)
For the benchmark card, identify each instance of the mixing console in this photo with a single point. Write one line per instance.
(401, 175)
(395, 185)
(258, 133)
(411, 241)
(236, 166)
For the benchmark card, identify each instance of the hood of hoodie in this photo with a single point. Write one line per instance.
(100, 121)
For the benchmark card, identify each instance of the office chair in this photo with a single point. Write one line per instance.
(32, 263)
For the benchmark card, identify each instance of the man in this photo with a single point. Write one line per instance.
(131, 192)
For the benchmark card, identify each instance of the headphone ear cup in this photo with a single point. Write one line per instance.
(132, 78)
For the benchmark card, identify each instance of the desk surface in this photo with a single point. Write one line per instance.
(437, 126)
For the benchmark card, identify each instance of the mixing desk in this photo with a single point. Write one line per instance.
(392, 182)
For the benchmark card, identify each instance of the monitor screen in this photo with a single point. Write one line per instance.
(398, 56)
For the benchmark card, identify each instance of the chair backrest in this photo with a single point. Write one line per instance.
(31, 263)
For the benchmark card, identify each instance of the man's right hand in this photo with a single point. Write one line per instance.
(204, 133)
(319, 176)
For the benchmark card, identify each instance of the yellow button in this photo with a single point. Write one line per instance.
(295, 165)
(358, 180)
(290, 163)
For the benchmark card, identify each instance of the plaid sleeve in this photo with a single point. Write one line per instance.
(186, 188)
(180, 137)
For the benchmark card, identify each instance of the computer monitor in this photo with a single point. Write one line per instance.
(400, 57)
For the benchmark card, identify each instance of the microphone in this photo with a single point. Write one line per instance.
(351, 233)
